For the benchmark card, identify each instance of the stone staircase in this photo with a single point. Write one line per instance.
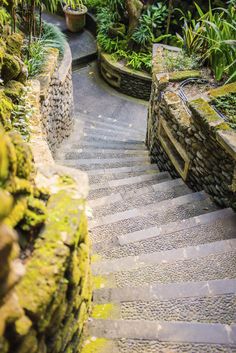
(164, 257)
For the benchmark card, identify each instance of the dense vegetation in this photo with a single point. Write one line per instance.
(205, 32)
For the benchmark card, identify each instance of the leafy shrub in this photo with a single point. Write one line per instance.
(54, 37)
(213, 37)
(151, 25)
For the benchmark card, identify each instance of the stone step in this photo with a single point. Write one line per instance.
(94, 136)
(156, 214)
(189, 302)
(104, 145)
(139, 336)
(197, 230)
(109, 121)
(145, 196)
(126, 185)
(206, 262)
(91, 131)
(103, 178)
(108, 128)
(96, 163)
(92, 152)
(159, 209)
(69, 153)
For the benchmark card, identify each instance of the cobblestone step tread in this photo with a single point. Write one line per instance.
(198, 230)
(157, 207)
(132, 180)
(126, 222)
(136, 168)
(130, 263)
(102, 145)
(69, 153)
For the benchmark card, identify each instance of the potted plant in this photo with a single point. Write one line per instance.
(75, 12)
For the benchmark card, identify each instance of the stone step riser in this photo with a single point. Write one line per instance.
(108, 145)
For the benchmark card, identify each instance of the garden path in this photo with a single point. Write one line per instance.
(163, 256)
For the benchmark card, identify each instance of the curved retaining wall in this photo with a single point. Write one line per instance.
(56, 96)
(194, 143)
(133, 83)
(45, 299)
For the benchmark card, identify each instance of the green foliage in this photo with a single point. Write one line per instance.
(53, 37)
(213, 37)
(227, 105)
(35, 56)
(151, 25)
(180, 61)
(135, 60)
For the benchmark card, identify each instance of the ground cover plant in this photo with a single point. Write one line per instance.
(227, 106)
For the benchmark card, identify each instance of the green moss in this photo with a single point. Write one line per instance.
(99, 282)
(66, 179)
(105, 311)
(2, 50)
(18, 186)
(223, 126)
(6, 204)
(203, 110)
(14, 91)
(23, 154)
(4, 160)
(11, 68)
(49, 263)
(183, 75)
(14, 44)
(6, 108)
(35, 215)
(17, 212)
(23, 325)
(96, 345)
(223, 90)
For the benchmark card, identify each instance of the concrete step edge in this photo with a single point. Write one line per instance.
(165, 291)
(164, 331)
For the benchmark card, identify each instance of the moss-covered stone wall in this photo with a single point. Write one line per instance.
(45, 279)
(190, 139)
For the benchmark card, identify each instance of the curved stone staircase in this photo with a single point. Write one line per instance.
(164, 256)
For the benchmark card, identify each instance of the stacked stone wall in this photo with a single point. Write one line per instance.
(190, 139)
(57, 98)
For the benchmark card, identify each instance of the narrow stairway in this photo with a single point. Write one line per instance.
(163, 255)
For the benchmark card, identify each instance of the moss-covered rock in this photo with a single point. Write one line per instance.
(11, 68)
(6, 107)
(2, 50)
(23, 154)
(34, 216)
(14, 44)
(14, 90)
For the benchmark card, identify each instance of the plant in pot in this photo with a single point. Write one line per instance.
(75, 12)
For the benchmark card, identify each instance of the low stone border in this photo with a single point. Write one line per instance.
(56, 97)
(191, 141)
(127, 81)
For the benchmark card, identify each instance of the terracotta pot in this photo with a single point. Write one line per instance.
(75, 20)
